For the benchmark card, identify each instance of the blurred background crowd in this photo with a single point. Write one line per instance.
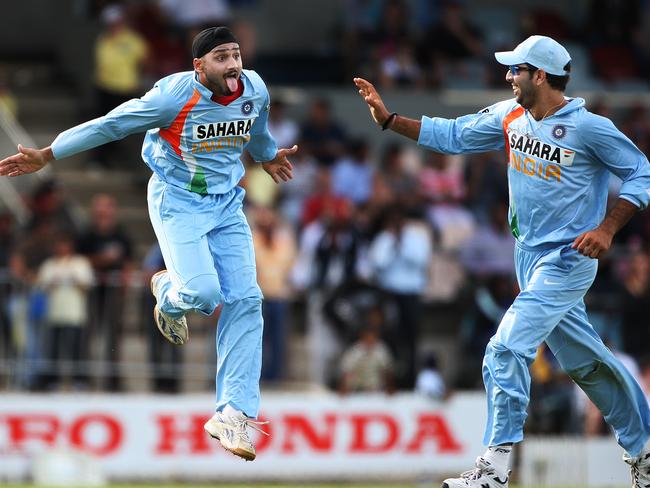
(384, 267)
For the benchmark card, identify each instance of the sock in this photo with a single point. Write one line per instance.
(499, 457)
(229, 411)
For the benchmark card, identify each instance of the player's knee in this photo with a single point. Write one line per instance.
(204, 291)
(252, 304)
(500, 357)
(496, 348)
(501, 345)
(586, 373)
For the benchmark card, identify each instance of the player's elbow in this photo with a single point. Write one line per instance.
(113, 130)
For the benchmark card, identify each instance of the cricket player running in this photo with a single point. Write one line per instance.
(559, 159)
(197, 124)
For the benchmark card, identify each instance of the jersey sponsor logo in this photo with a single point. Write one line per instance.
(247, 107)
(219, 144)
(537, 168)
(503, 450)
(230, 128)
(539, 149)
(532, 157)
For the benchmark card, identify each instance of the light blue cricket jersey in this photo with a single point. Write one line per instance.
(558, 168)
(191, 141)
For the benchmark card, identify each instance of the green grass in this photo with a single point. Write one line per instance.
(251, 485)
(267, 485)
(432, 484)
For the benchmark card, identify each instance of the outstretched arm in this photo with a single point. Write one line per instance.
(402, 125)
(154, 109)
(26, 160)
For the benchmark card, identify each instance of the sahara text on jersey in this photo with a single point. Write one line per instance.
(533, 157)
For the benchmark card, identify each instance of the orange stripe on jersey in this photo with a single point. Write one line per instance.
(506, 122)
(172, 134)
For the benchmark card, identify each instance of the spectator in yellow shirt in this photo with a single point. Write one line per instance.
(120, 56)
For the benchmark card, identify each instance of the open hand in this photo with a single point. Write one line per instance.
(26, 160)
(279, 168)
(371, 97)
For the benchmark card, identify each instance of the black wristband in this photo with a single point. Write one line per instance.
(387, 122)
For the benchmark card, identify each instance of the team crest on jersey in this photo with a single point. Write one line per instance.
(559, 131)
(247, 107)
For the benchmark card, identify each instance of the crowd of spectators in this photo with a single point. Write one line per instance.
(370, 244)
(449, 43)
(417, 44)
(357, 253)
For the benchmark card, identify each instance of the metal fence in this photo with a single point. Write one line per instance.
(116, 348)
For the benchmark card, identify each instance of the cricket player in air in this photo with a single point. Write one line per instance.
(197, 125)
(559, 159)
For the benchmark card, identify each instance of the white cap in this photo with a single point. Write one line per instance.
(539, 51)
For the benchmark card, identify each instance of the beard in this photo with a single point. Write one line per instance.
(526, 100)
(219, 84)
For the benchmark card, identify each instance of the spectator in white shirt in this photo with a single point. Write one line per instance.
(367, 365)
(400, 259)
(430, 382)
(65, 278)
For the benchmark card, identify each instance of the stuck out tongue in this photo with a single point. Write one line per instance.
(232, 83)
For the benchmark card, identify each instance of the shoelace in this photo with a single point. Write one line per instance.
(253, 424)
(477, 472)
(635, 476)
(634, 469)
(474, 474)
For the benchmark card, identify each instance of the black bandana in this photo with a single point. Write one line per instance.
(206, 40)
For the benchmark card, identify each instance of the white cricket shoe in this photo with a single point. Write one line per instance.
(639, 469)
(231, 431)
(174, 330)
(483, 476)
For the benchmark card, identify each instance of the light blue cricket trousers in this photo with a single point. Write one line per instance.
(550, 307)
(208, 250)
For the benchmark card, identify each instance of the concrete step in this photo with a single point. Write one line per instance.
(131, 200)
(48, 106)
(110, 179)
(41, 109)
(26, 76)
(82, 185)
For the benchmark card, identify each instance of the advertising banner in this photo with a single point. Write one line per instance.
(311, 436)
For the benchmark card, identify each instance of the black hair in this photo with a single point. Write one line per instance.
(557, 82)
